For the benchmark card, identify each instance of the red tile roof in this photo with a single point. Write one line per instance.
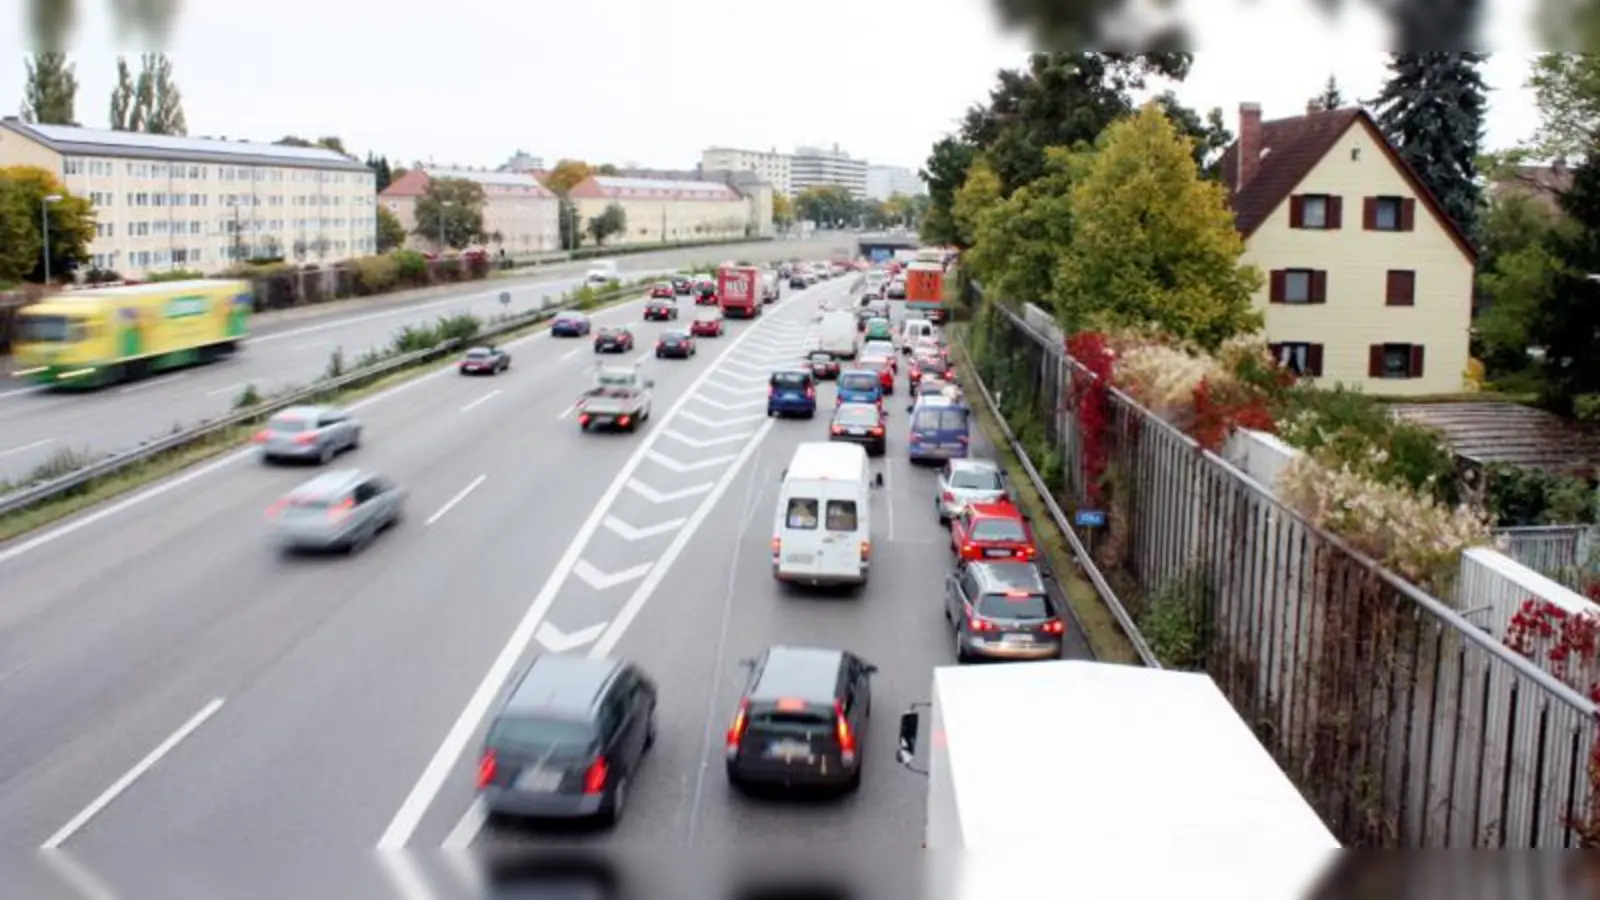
(411, 184)
(1291, 148)
(415, 182)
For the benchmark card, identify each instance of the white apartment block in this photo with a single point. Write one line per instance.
(165, 202)
(884, 182)
(816, 167)
(517, 209)
(774, 168)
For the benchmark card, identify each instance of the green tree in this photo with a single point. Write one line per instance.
(1152, 242)
(391, 234)
(450, 212)
(980, 192)
(944, 173)
(123, 108)
(826, 205)
(72, 220)
(150, 102)
(567, 221)
(607, 169)
(1210, 135)
(19, 234)
(290, 140)
(51, 93)
(1019, 242)
(875, 215)
(1566, 322)
(1566, 88)
(611, 222)
(382, 175)
(782, 212)
(1329, 98)
(1432, 110)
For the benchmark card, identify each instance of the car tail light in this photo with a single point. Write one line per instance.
(948, 497)
(736, 730)
(487, 766)
(1028, 552)
(877, 432)
(974, 623)
(594, 780)
(304, 438)
(838, 429)
(847, 738)
(276, 509)
(811, 392)
(623, 421)
(969, 550)
(341, 510)
(866, 549)
(660, 344)
(583, 419)
(262, 435)
(772, 390)
(777, 546)
(1053, 626)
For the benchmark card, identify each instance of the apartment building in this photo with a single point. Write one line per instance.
(665, 210)
(1379, 300)
(165, 202)
(774, 168)
(884, 182)
(522, 213)
(815, 167)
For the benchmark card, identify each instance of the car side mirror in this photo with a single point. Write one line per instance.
(910, 726)
(747, 663)
(870, 669)
(910, 407)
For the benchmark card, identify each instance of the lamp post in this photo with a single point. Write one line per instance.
(443, 205)
(44, 229)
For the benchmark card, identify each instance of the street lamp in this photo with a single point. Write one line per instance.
(443, 205)
(44, 229)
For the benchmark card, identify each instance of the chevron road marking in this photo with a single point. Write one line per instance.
(658, 497)
(752, 403)
(681, 467)
(557, 641)
(720, 423)
(630, 533)
(601, 580)
(707, 443)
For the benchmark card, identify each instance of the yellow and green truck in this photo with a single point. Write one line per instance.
(100, 336)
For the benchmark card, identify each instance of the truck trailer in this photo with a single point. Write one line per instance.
(1125, 781)
(739, 291)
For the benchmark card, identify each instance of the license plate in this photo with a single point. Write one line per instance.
(540, 780)
(601, 420)
(858, 431)
(993, 551)
(789, 751)
(800, 558)
(1017, 639)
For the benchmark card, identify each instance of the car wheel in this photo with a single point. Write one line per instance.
(326, 455)
(355, 440)
(650, 731)
(619, 799)
(961, 649)
(660, 355)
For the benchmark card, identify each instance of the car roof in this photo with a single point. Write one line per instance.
(998, 509)
(307, 411)
(563, 685)
(866, 372)
(934, 401)
(805, 673)
(1009, 575)
(570, 314)
(974, 465)
(674, 333)
(330, 483)
(613, 328)
(866, 407)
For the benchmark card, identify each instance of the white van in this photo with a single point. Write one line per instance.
(602, 271)
(838, 334)
(914, 329)
(823, 528)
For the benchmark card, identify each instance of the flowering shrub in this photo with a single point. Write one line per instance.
(1163, 377)
(1412, 534)
(1225, 406)
(1092, 401)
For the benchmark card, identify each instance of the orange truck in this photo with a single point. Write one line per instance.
(739, 291)
(925, 289)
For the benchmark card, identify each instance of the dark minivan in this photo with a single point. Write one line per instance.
(568, 739)
(801, 719)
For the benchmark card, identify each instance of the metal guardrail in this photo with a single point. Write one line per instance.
(116, 463)
(1080, 553)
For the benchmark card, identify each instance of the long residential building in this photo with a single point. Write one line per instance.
(165, 202)
(813, 167)
(774, 168)
(520, 215)
(660, 210)
(884, 182)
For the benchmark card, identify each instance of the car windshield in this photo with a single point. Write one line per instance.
(541, 736)
(794, 380)
(858, 414)
(858, 381)
(939, 420)
(933, 366)
(998, 530)
(292, 423)
(674, 336)
(570, 319)
(821, 358)
(975, 480)
(1018, 605)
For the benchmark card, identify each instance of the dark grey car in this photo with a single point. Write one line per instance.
(309, 433)
(801, 719)
(1001, 610)
(567, 741)
(342, 509)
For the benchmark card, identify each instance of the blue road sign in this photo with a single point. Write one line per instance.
(1089, 518)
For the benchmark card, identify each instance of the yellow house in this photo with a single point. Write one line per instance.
(1368, 283)
(662, 210)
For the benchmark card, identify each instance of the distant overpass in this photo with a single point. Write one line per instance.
(883, 246)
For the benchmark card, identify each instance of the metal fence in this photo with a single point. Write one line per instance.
(1402, 723)
(1564, 553)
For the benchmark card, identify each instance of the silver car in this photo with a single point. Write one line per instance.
(316, 433)
(343, 509)
(963, 482)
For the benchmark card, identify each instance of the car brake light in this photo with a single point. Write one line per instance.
(811, 393)
(837, 429)
(877, 432)
(304, 438)
(594, 780)
(262, 435)
(660, 344)
(1053, 626)
(847, 739)
(866, 549)
(583, 419)
(736, 730)
(969, 550)
(341, 509)
(487, 766)
(976, 624)
(777, 546)
(948, 497)
(623, 421)
(1027, 552)
(772, 391)
(276, 509)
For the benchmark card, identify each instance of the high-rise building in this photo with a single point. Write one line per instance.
(884, 182)
(772, 166)
(816, 167)
(523, 161)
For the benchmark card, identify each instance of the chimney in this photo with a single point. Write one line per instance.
(1313, 107)
(1249, 144)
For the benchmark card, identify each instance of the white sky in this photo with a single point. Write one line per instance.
(653, 83)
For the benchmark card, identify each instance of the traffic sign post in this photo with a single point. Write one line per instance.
(1091, 520)
(505, 298)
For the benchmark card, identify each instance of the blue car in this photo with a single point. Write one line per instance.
(792, 393)
(860, 386)
(570, 324)
(940, 429)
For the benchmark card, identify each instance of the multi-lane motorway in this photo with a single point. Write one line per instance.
(294, 350)
(167, 680)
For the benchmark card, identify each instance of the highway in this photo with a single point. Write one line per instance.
(293, 348)
(167, 680)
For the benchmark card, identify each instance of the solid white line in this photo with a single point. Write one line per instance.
(568, 411)
(888, 494)
(406, 875)
(26, 447)
(460, 837)
(155, 381)
(230, 389)
(485, 398)
(77, 875)
(456, 499)
(571, 353)
(132, 775)
(18, 392)
(415, 806)
(468, 872)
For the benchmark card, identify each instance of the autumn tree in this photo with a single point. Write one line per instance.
(782, 212)
(1019, 240)
(1152, 242)
(391, 234)
(827, 205)
(980, 192)
(1432, 109)
(450, 212)
(71, 223)
(51, 93)
(567, 174)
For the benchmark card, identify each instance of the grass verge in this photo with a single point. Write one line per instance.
(55, 509)
(1100, 627)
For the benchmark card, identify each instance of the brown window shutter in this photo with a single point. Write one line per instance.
(1297, 211)
(1319, 286)
(1314, 360)
(1335, 212)
(1275, 292)
(1375, 360)
(1408, 214)
(1275, 351)
(1415, 370)
(1400, 288)
(1369, 213)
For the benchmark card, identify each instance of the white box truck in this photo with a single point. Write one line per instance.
(1134, 782)
(836, 336)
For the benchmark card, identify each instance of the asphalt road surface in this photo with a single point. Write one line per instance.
(38, 425)
(166, 679)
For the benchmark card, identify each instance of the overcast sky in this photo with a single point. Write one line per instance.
(470, 81)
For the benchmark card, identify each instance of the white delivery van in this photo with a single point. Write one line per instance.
(838, 334)
(913, 329)
(602, 271)
(823, 528)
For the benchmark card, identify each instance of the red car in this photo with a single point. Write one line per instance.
(884, 366)
(992, 531)
(706, 325)
(931, 366)
(660, 310)
(664, 290)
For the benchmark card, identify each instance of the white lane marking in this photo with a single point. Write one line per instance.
(308, 345)
(623, 530)
(162, 487)
(557, 641)
(571, 353)
(407, 876)
(658, 498)
(26, 447)
(484, 399)
(456, 499)
(230, 389)
(121, 784)
(601, 581)
(77, 875)
(18, 392)
(155, 381)
(710, 462)
(460, 837)
(567, 412)
(415, 806)
(707, 443)
(467, 871)
(888, 495)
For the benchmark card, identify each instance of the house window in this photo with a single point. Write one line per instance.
(1299, 286)
(1394, 361)
(1400, 288)
(1315, 212)
(1299, 357)
(1389, 213)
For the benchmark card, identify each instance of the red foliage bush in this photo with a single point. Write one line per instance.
(1218, 412)
(1092, 399)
